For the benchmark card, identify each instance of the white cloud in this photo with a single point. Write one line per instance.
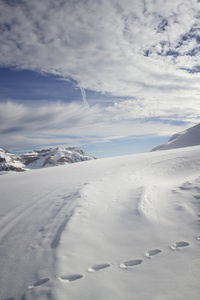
(102, 44)
(27, 125)
(44, 116)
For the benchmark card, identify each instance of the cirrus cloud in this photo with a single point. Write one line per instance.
(24, 125)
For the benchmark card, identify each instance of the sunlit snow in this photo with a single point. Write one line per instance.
(117, 228)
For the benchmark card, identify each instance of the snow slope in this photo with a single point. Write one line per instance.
(41, 158)
(115, 228)
(188, 138)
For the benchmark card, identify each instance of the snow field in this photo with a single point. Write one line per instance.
(119, 228)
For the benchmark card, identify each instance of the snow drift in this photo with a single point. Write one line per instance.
(118, 228)
(188, 138)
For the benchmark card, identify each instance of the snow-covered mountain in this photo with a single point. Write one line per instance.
(187, 138)
(115, 228)
(41, 158)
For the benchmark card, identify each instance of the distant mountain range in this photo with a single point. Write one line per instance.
(187, 138)
(41, 158)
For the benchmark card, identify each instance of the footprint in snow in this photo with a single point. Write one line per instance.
(99, 267)
(78, 213)
(153, 252)
(177, 245)
(42, 229)
(131, 263)
(39, 282)
(69, 278)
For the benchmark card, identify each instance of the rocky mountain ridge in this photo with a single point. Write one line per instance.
(41, 158)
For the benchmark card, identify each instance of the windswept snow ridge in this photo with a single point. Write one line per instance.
(118, 228)
(188, 138)
(41, 158)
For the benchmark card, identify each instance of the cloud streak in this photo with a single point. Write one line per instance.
(25, 125)
(84, 96)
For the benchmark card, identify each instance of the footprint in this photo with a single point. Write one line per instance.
(42, 229)
(39, 282)
(131, 263)
(177, 245)
(78, 213)
(99, 267)
(151, 253)
(70, 278)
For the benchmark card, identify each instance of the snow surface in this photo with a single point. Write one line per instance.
(116, 228)
(187, 138)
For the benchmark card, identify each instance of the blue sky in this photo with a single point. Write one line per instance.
(110, 77)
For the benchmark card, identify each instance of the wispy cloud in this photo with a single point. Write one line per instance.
(23, 125)
(84, 96)
(30, 125)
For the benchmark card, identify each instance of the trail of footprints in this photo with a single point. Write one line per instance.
(99, 267)
(124, 265)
